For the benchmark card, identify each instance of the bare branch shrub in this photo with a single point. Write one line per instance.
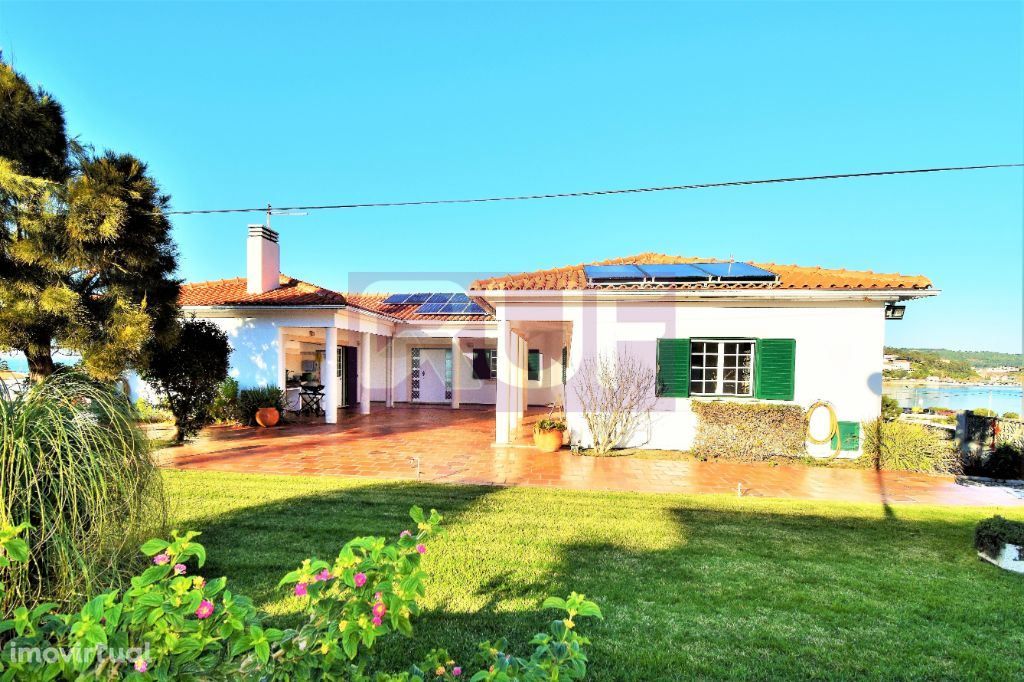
(617, 394)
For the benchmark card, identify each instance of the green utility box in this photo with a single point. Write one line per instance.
(848, 436)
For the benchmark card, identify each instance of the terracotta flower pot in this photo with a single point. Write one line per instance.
(547, 440)
(267, 416)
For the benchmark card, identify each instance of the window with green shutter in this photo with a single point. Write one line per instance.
(775, 369)
(673, 368)
(533, 365)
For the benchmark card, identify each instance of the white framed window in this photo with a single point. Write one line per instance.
(721, 367)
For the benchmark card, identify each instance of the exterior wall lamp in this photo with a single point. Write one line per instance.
(894, 312)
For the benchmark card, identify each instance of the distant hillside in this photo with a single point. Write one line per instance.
(975, 358)
(926, 363)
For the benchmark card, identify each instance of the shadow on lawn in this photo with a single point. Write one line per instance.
(690, 589)
(750, 594)
(255, 546)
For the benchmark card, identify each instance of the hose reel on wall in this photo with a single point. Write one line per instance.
(833, 426)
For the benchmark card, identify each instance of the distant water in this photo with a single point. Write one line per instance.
(998, 398)
(16, 363)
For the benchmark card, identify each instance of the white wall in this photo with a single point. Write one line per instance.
(838, 351)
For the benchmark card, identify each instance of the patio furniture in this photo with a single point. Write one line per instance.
(312, 401)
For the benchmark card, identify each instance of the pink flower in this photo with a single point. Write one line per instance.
(141, 665)
(421, 548)
(205, 609)
(456, 671)
(300, 589)
(179, 569)
(377, 597)
(323, 575)
(379, 609)
(377, 620)
(359, 579)
(161, 559)
(405, 534)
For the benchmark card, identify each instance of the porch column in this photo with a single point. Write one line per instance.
(365, 379)
(503, 397)
(330, 379)
(281, 372)
(522, 384)
(456, 371)
(389, 373)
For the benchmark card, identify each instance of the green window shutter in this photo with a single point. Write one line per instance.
(565, 362)
(673, 368)
(533, 365)
(775, 369)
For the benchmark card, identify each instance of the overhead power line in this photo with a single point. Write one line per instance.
(592, 193)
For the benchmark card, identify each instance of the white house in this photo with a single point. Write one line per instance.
(711, 329)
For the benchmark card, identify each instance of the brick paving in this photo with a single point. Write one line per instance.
(438, 444)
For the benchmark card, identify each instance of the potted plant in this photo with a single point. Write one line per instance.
(262, 405)
(267, 416)
(1001, 542)
(548, 434)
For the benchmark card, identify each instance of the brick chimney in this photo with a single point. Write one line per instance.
(262, 259)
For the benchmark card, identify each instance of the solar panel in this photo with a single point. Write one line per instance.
(439, 298)
(613, 273)
(675, 272)
(417, 298)
(737, 271)
(469, 308)
(397, 299)
(459, 298)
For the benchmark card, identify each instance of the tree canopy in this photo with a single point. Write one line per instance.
(86, 256)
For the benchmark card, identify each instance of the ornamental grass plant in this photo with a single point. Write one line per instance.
(74, 466)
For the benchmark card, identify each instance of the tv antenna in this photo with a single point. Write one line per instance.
(280, 211)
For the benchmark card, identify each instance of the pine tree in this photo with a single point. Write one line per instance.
(86, 255)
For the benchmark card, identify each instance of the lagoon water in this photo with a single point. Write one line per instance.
(997, 398)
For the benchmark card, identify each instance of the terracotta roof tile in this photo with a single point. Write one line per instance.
(571, 277)
(294, 292)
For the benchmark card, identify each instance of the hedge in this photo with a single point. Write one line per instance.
(902, 446)
(990, 535)
(748, 432)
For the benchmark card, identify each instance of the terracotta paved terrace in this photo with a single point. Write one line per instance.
(437, 444)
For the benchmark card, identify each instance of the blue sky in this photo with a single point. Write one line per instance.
(242, 104)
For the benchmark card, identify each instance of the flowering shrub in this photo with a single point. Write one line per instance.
(171, 624)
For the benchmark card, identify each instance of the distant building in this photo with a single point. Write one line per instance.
(895, 364)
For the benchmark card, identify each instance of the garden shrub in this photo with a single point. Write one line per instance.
(984, 412)
(891, 409)
(252, 399)
(74, 465)
(990, 535)
(1005, 462)
(188, 372)
(171, 624)
(748, 431)
(225, 403)
(903, 446)
(147, 413)
(1011, 415)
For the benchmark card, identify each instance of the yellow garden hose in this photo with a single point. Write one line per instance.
(833, 426)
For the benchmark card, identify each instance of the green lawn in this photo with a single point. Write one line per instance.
(691, 586)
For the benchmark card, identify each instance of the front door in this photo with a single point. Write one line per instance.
(431, 370)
